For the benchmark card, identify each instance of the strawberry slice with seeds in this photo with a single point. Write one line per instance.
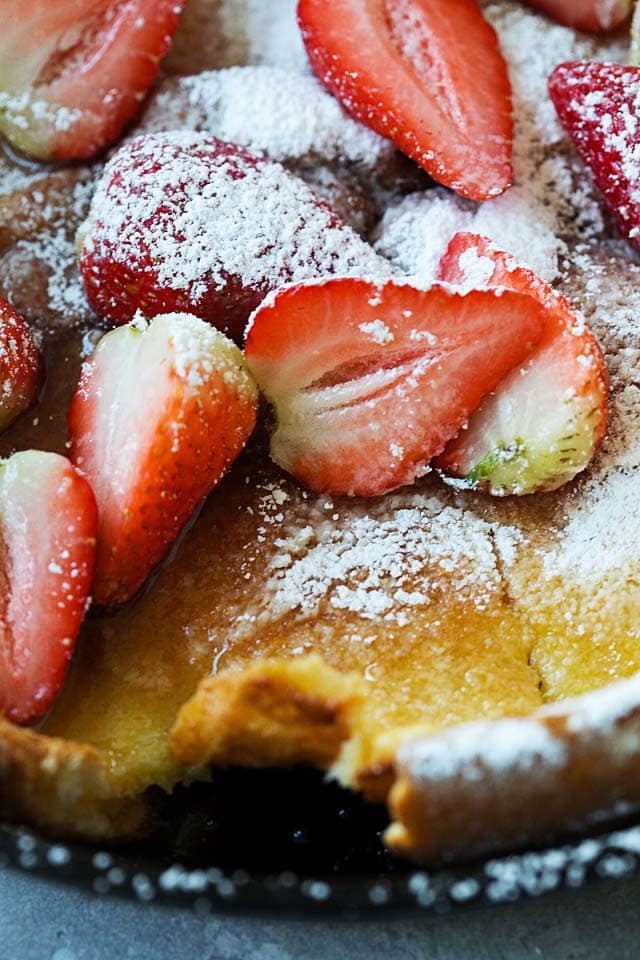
(73, 74)
(426, 74)
(593, 16)
(18, 365)
(368, 382)
(547, 418)
(160, 413)
(599, 106)
(48, 522)
(185, 222)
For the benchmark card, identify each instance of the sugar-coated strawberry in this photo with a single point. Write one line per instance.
(547, 418)
(73, 74)
(591, 15)
(429, 75)
(18, 365)
(185, 222)
(599, 106)
(48, 523)
(369, 382)
(161, 411)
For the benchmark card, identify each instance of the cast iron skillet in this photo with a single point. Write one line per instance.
(287, 839)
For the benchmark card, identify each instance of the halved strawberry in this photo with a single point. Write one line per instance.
(72, 74)
(369, 382)
(591, 15)
(547, 418)
(18, 365)
(429, 75)
(599, 106)
(185, 222)
(160, 412)
(48, 522)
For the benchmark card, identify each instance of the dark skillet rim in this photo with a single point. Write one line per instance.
(611, 855)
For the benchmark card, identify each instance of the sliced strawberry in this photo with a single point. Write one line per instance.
(186, 222)
(547, 418)
(48, 522)
(429, 75)
(18, 365)
(591, 15)
(599, 106)
(160, 412)
(370, 382)
(72, 74)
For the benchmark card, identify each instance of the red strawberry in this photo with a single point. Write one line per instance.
(546, 419)
(429, 75)
(73, 74)
(591, 15)
(48, 521)
(18, 365)
(370, 382)
(186, 222)
(160, 412)
(598, 104)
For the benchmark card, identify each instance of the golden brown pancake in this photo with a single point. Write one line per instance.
(413, 645)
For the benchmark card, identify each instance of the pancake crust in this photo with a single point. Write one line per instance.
(61, 787)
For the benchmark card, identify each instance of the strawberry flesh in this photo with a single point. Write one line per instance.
(599, 106)
(547, 418)
(73, 74)
(426, 74)
(593, 16)
(48, 522)
(18, 365)
(186, 222)
(160, 413)
(370, 382)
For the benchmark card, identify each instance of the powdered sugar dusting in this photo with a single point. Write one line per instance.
(57, 250)
(270, 30)
(223, 33)
(384, 560)
(14, 177)
(40, 266)
(602, 710)
(201, 354)
(588, 553)
(21, 110)
(471, 751)
(415, 231)
(252, 106)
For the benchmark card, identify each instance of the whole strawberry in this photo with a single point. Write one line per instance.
(187, 222)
